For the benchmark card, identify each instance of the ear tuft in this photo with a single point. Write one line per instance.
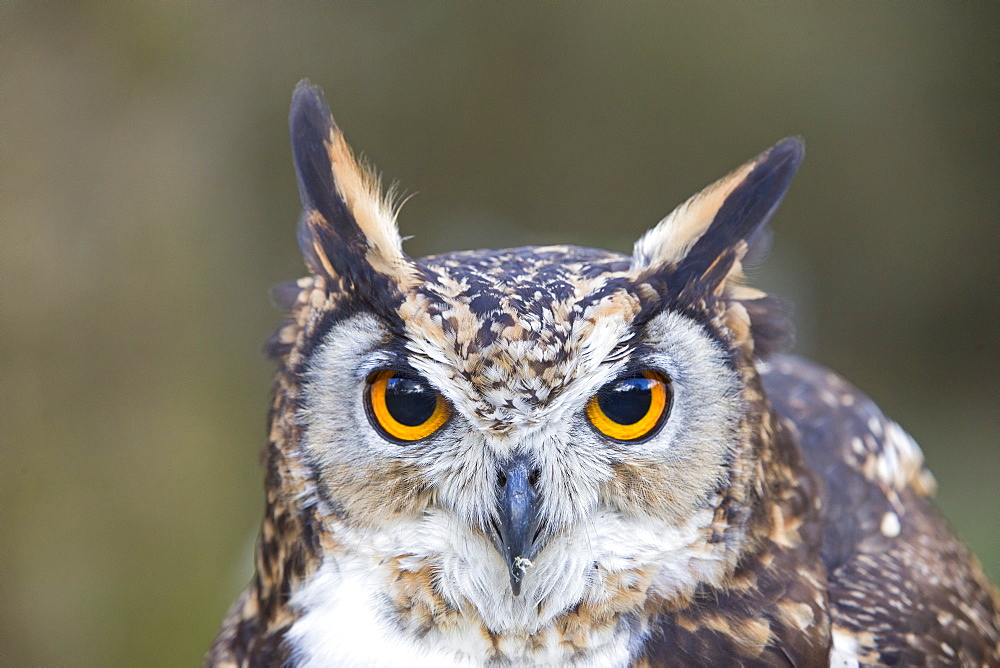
(720, 223)
(347, 229)
(701, 247)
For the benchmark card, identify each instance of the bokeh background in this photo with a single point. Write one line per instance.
(149, 202)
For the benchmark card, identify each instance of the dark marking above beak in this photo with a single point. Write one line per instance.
(515, 531)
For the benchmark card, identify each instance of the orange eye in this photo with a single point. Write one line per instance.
(404, 408)
(632, 408)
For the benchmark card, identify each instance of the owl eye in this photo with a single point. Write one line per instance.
(632, 408)
(404, 408)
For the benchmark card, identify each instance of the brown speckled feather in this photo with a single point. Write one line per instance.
(900, 583)
(766, 514)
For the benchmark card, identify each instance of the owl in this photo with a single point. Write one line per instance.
(567, 456)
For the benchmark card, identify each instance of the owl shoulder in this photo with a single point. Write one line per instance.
(903, 589)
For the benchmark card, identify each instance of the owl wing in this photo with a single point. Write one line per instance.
(902, 587)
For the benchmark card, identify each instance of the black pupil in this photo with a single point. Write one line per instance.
(627, 401)
(409, 401)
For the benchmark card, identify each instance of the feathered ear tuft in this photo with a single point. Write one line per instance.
(347, 229)
(701, 246)
(723, 219)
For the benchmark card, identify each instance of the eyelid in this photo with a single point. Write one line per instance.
(384, 361)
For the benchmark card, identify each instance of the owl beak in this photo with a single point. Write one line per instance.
(515, 532)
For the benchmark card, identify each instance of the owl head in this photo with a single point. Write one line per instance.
(534, 427)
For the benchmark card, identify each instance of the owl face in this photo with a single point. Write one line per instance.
(537, 426)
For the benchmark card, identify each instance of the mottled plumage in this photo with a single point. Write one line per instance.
(756, 510)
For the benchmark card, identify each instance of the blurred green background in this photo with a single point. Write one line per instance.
(149, 201)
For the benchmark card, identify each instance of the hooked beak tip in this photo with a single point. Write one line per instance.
(517, 570)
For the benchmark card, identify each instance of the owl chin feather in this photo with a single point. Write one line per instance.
(563, 455)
